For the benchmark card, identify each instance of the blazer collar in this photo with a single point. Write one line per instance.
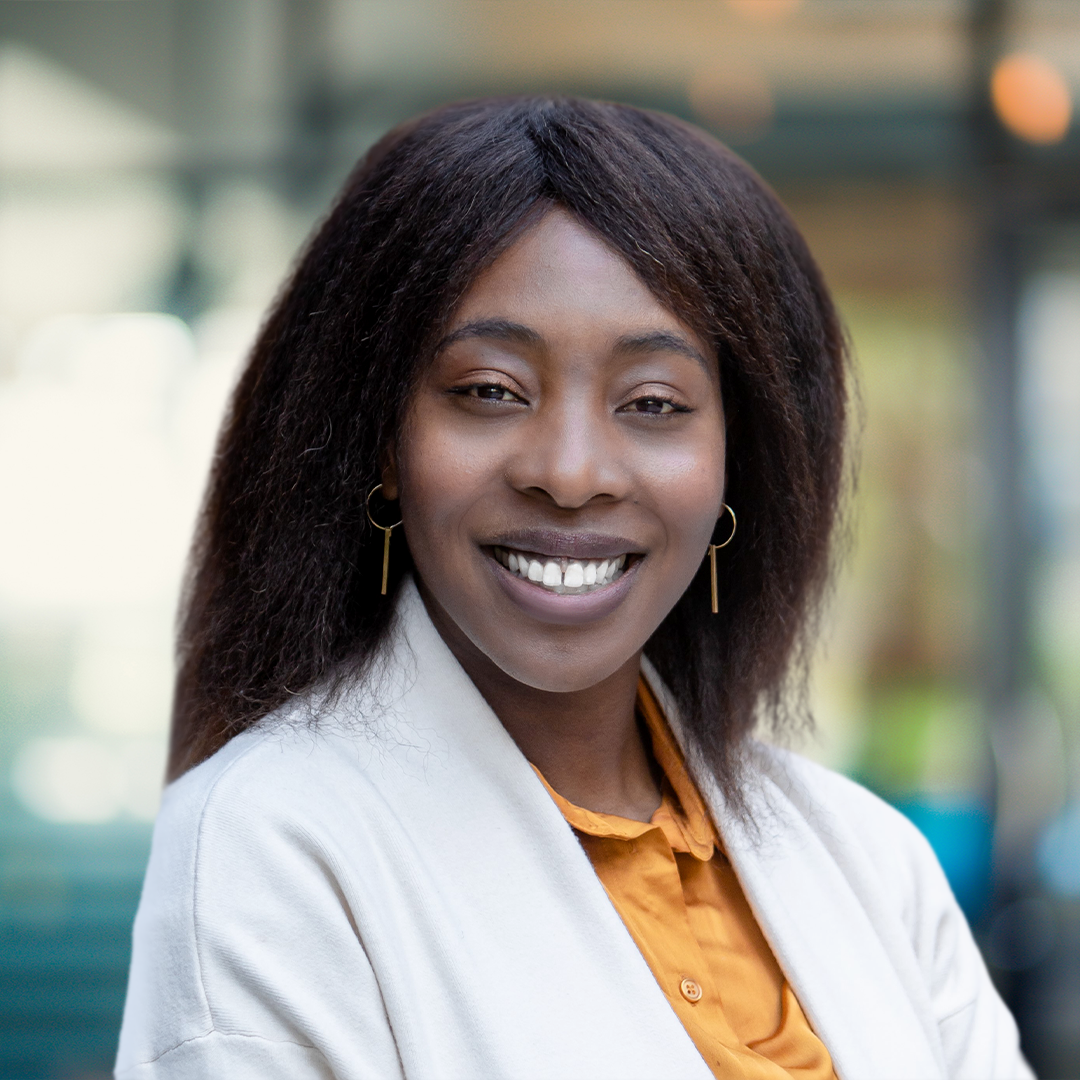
(835, 957)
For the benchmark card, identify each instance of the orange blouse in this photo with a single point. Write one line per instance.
(682, 903)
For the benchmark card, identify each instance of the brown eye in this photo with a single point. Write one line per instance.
(491, 392)
(652, 405)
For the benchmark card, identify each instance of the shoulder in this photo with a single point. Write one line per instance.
(296, 762)
(246, 872)
(892, 873)
(256, 779)
(877, 848)
(810, 784)
(278, 795)
(829, 800)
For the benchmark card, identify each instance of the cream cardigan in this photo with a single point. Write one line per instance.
(391, 893)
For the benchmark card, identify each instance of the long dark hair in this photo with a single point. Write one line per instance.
(284, 578)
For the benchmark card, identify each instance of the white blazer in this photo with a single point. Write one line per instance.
(389, 892)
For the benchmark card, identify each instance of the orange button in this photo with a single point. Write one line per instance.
(690, 990)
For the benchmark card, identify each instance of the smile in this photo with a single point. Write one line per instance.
(563, 576)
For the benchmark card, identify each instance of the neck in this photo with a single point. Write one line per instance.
(586, 743)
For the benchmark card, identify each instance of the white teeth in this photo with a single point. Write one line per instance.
(562, 575)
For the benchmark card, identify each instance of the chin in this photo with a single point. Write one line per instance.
(554, 675)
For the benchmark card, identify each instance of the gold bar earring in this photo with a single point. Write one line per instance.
(712, 567)
(386, 531)
(385, 559)
(713, 549)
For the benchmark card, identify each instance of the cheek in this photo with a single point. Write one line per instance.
(441, 476)
(688, 486)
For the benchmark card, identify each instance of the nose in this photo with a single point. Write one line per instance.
(570, 455)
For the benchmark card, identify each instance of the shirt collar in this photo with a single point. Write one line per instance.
(682, 815)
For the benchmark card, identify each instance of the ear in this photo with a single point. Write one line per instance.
(388, 472)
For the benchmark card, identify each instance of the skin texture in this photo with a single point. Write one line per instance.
(567, 412)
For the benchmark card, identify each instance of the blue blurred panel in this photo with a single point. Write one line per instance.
(67, 900)
(961, 832)
(1059, 853)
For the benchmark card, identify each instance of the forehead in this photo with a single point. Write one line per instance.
(559, 277)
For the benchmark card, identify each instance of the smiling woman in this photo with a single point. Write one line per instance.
(561, 470)
(493, 808)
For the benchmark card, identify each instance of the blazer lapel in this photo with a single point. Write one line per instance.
(554, 975)
(821, 934)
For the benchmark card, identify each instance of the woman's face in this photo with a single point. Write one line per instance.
(561, 467)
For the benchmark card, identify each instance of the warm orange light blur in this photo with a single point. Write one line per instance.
(764, 10)
(1031, 98)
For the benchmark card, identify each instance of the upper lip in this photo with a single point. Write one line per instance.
(572, 545)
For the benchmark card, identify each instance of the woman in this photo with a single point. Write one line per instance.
(477, 796)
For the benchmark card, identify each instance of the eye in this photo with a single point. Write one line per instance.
(654, 406)
(488, 392)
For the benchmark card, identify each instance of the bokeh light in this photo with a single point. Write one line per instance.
(764, 10)
(1031, 98)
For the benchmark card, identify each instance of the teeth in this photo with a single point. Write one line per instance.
(562, 575)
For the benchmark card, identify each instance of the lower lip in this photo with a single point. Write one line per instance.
(568, 609)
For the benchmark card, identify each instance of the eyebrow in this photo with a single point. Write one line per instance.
(492, 330)
(660, 341)
(630, 344)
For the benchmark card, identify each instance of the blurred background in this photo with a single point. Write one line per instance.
(160, 162)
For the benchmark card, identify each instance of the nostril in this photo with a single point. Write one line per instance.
(567, 473)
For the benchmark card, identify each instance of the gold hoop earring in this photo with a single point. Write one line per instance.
(713, 549)
(387, 530)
